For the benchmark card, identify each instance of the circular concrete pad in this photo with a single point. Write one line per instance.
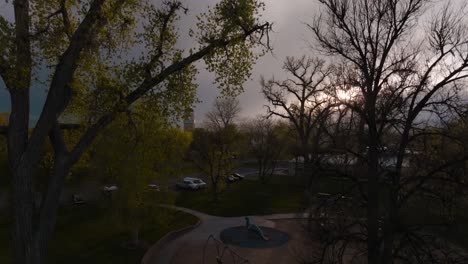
(241, 237)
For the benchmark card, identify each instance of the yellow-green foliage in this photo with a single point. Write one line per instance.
(132, 153)
(227, 20)
(134, 43)
(4, 119)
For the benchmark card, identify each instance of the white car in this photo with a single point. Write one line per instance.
(191, 183)
(154, 187)
(231, 178)
(110, 188)
(238, 176)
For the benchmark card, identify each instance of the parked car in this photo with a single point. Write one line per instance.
(77, 199)
(231, 178)
(238, 176)
(190, 183)
(110, 188)
(154, 187)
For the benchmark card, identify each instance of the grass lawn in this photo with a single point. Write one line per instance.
(427, 211)
(88, 235)
(247, 197)
(456, 233)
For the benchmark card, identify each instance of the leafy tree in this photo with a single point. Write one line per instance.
(3, 119)
(212, 152)
(93, 73)
(132, 153)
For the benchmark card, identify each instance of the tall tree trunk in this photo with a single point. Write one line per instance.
(373, 207)
(261, 170)
(215, 191)
(23, 213)
(20, 165)
(392, 220)
(373, 189)
(306, 169)
(50, 204)
(33, 228)
(390, 227)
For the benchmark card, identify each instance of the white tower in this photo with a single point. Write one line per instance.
(189, 124)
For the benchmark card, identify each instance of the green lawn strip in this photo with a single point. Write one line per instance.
(89, 235)
(284, 195)
(5, 244)
(427, 212)
(247, 198)
(456, 233)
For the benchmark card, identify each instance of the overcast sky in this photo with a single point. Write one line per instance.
(290, 38)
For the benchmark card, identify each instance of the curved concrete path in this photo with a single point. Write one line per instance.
(209, 225)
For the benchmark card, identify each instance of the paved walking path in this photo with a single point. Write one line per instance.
(209, 225)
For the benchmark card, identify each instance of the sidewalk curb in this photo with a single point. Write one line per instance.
(156, 247)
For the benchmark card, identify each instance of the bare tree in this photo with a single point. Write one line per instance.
(211, 157)
(266, 142)
(301, 99)
(397, 77)
(213, 146)
(224, 112)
